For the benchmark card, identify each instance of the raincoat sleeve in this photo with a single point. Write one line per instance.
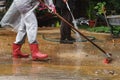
(49, 2)
(50, 5)
(13, 16)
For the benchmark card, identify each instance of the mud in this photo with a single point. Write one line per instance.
(78, 61)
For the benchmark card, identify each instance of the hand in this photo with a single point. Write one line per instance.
(42, 7)
(65, 1)
(52, 8)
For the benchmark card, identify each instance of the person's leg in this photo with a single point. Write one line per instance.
(20, 39)
(63, 25)
(65, 30)
(68, 29)
(32, 27)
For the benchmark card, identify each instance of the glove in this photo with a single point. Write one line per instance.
(42, 7)
(65, 1)
(52, 8)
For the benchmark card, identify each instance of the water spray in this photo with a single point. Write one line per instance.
(74, 23)
(108, 58)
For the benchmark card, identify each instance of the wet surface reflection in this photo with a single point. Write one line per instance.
(78, 61)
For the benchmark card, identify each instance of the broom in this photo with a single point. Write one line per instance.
(108, 58)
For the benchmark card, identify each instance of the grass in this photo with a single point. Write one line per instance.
(101, 29)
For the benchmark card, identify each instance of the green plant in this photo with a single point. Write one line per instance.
(100, 29)
(90, 11)
(113, 5)
(100, 8)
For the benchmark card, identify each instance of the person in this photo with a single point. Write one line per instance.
(21, 17)
(65, 30)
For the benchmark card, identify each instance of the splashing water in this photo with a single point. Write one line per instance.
(78, 38)
(77, 35)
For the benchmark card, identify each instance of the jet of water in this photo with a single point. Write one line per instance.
(78, 37)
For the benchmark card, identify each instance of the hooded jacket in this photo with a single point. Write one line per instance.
(13, 16)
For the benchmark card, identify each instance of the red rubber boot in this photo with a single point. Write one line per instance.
(36, 54)
(17, 53)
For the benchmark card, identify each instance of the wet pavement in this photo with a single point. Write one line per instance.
(78, 61)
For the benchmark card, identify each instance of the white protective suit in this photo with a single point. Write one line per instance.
(21, 17)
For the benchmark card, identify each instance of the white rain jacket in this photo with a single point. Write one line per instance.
(13, 17)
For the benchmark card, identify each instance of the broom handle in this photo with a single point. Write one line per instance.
(79, 32)
(71, 26)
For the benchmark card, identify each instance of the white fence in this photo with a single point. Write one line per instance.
(114, 20)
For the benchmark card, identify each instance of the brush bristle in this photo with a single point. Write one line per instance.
(106, 61)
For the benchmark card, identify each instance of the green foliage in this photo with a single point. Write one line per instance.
(116, 30)
(57, 24)
(101, 29)
(114, 5)
(100, 7)
(90, 10)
